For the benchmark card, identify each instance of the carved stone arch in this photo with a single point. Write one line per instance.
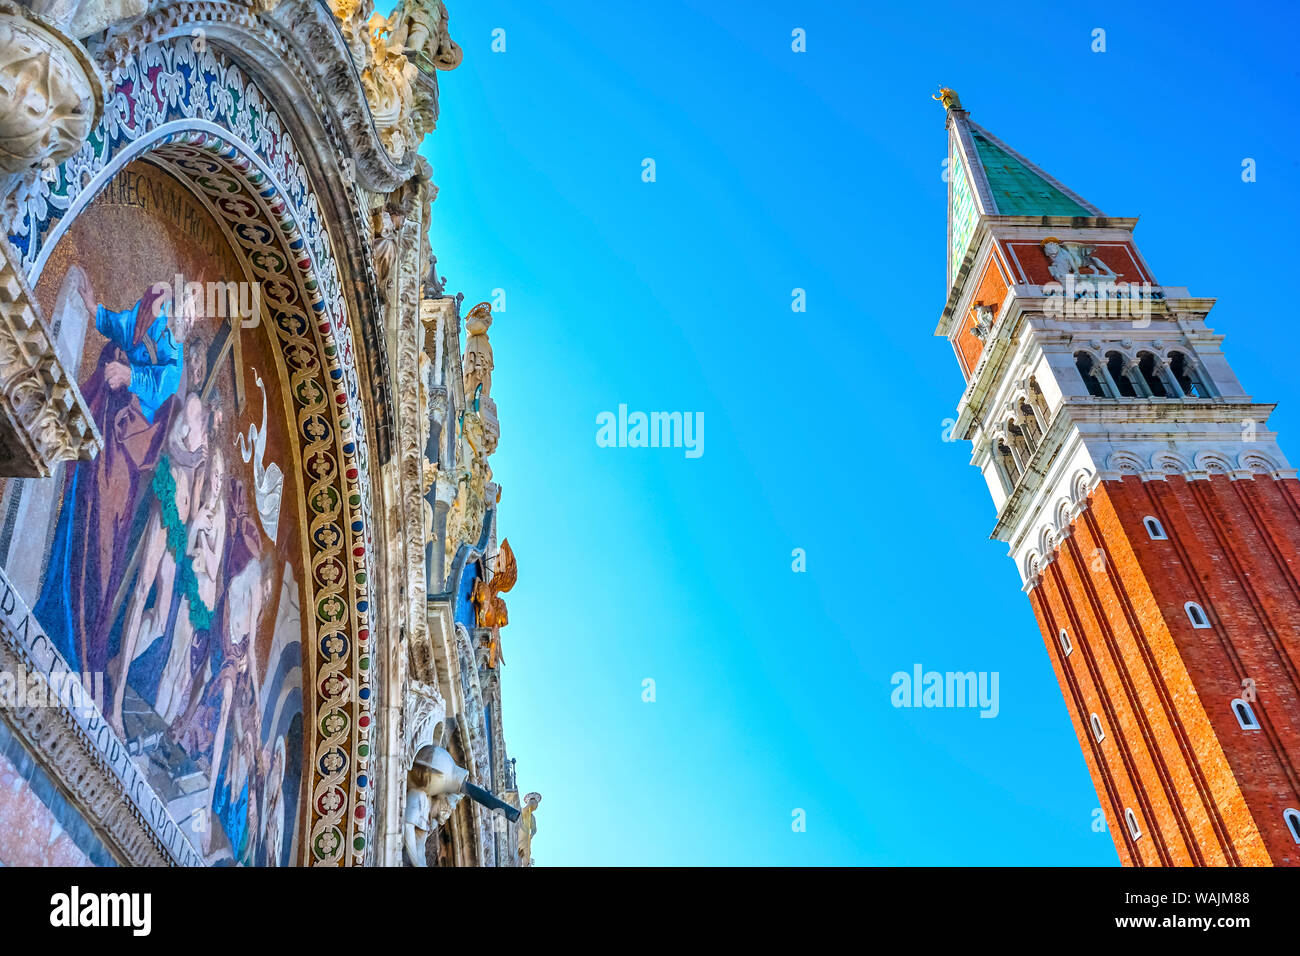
(1064, 516)
(1120, 375)
(1096, 373)
(1125, 463)
(1153, 369)
(1080, 486)
(1030, 419)
(1031, 566)
(1257, 463)
(1019, 443)
(1094, 351)
(1004, 462)
(1170, 463)
(1046, 541)
(413, 409)
(200, 117)
(1195, 375)
(1214, 463)
(1038, 402)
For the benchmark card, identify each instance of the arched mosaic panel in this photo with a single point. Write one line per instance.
(198, 116)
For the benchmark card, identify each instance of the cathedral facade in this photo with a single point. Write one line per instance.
(1153, 517)
(251, 583)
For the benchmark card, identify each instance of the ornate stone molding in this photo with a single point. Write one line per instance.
(1230, 460)
(308, 41)
(424, 713)
(413, 424)
(51, 95)
(43, 418)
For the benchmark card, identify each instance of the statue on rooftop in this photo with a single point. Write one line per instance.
(420, 26)
(478, 356)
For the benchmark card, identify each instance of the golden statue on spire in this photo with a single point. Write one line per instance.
(948, 97)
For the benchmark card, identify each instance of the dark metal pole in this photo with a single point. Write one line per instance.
(481, 796)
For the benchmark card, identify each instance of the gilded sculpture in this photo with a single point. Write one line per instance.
(948, 97)
(489, 606)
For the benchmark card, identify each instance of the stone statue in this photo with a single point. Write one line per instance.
(421, 27)
(1073, 258)
(388, 218)
(478, 356)
(387, 81)
(385, 242)
(433, 788)
(424, 714)
(528, 828)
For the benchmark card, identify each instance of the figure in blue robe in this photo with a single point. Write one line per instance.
(155, 357)
(91, 552)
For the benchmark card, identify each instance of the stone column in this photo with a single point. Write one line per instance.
(444, 493)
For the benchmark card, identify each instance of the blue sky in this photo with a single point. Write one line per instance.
(820, 171)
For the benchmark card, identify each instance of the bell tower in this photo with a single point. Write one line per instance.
(1151, 514)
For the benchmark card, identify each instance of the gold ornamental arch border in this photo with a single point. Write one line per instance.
(199, 116)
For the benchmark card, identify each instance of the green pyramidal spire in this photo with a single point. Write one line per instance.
(1019, 187)
(986, 178)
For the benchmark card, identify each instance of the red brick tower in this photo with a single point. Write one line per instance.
(1153, 517)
